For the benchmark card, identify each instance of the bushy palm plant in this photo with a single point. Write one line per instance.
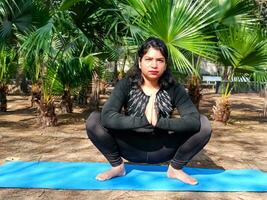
(188, 28)
(182, 25)
(8, 68)
(70, 75)
(231, 12)
(15, 17)
(104, 25)
(228, 13)
(36, 52)
(43, 50)
(244, 57)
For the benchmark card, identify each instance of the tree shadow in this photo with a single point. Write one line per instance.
(21, 124)
(202, 160)
(22, 111)
(244, 106)
(71, 118)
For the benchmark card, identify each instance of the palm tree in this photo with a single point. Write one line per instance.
(187, 27)
(57, 57)
(181, 24)
(229, 13)
(194, 81)
(15, 17)
(36, 52)
(7, 71)
(102, 24)
(69, 75)
(244, 56)
(44, 48)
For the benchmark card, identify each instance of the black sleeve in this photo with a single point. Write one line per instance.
(111, 116)
(190, 117)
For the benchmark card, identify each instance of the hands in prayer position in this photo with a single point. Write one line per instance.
(151, 110)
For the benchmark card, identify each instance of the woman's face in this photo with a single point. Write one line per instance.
(152, 64)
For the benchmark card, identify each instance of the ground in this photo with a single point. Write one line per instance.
(238, 145)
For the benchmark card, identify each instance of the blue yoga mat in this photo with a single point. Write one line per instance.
(81, 176)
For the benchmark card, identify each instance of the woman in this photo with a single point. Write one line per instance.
(145, 132)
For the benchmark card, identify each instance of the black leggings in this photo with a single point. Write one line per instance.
(155, 147)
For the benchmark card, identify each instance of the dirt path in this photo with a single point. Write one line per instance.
(240, 144)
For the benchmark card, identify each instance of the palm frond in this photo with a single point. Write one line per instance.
(66, 4)
(8, 66)
(51, 83)
(38, 41)
(243, 49)
(140, 6)
(181, 24)
(179, 61)
(233, 12)
(15, 16)
(260, 76)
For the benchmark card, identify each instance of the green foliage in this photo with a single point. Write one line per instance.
(62, 44)
(66, 4)
(15, 16)
(8, 66)
(232, 12)
(183, 25)
(51, 54)
(36, 50)
(244, 50)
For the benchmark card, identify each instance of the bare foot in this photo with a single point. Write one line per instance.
(181, 175)
(113, 172)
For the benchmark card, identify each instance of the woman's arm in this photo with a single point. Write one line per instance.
(111, 116)
(190, 117)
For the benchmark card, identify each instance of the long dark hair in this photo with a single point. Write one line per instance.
(135, 74)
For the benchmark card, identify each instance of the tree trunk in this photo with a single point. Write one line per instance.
(24, 86)
(194, 90)
(221, 111)
(3, 99)
(122, 74)
(47, 116)
(35, 93)
(115, 73)
(94, 97)
(83, 95)
(66, 102)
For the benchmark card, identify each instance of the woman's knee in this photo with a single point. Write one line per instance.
(92, 122)
(205, 128)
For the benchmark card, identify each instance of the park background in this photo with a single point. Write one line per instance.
(59, 60)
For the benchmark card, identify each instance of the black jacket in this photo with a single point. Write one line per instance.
(113, 118)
